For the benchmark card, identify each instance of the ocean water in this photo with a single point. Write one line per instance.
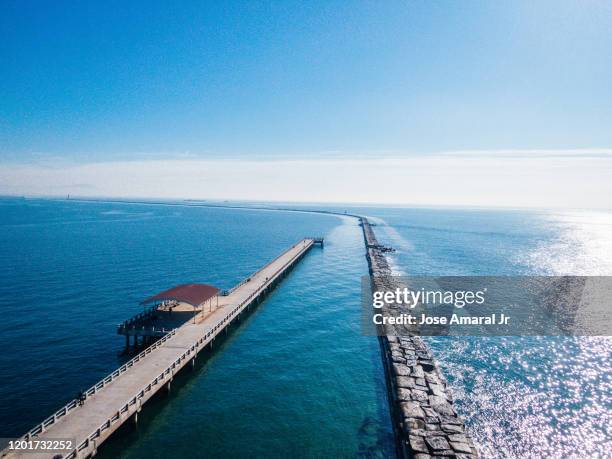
(297, 378)
(521, 396)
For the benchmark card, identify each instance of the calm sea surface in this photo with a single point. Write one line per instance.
(297, 378)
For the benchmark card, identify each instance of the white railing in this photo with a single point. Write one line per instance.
(181, 361)
(146, 313)
(136, 401)
(248, 279)
(93, 389)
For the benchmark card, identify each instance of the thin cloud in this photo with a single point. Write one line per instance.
(532, 154)
(501, 178)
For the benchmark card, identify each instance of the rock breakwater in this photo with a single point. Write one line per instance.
(425, 421)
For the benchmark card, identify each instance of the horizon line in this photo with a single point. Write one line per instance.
(219, 203)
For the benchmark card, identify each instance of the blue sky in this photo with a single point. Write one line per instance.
(91, 82)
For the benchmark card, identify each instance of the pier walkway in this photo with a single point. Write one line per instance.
(120, 396)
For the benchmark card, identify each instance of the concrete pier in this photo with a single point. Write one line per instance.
(425, 422)
(415, 419)
(120, 396)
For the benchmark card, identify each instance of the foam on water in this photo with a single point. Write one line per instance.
(529, 396)
(296, 378)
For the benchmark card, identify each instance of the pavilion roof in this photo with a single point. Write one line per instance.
(193, 294)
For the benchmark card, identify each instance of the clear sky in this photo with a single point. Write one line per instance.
(88, 84)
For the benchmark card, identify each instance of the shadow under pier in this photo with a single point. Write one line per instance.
(152, 324)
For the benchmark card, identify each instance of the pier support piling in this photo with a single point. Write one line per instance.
(171, 352)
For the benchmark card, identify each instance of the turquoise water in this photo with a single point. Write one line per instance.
(297, 378)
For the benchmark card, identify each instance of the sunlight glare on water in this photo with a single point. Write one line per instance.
(583, 246)
(520, 396)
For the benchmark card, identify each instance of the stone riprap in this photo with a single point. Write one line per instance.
(425, 421)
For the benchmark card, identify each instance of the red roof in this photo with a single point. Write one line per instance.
(193, 294)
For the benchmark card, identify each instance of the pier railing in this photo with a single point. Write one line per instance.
(93, 389)
(274, 275)
(136, 401)
(134, 404)
(149, 311)
(142, 330)
(248, 279)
